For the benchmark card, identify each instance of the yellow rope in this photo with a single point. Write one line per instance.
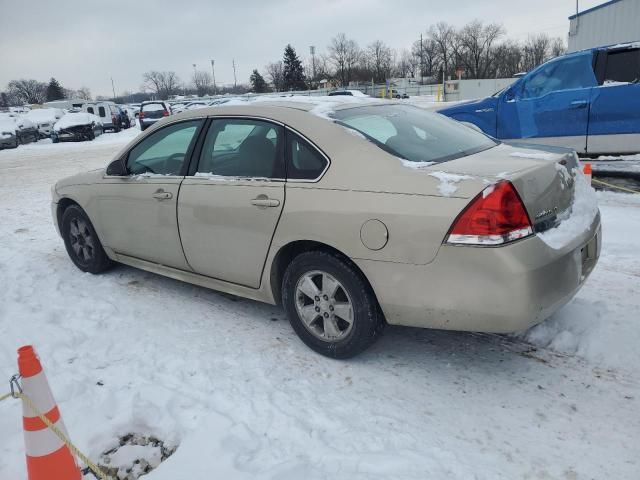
(58, 433)
(614, 186)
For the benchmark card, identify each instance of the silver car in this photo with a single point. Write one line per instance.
(381, 214)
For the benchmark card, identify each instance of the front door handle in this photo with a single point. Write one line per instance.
(264, 201)
(579, 104)
(162, 195)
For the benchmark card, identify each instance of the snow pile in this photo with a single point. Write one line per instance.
(583, 212)
(447, 186)
(535, 155)
(601, 323)
(76, 119)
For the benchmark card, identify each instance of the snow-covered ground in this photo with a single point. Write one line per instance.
(228, 381)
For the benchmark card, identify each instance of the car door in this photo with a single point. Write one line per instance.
(137, 212)
(614, 118)
(230, 204)
(551, 104)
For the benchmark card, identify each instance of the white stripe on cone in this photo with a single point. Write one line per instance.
(37, 389)
(43, 442)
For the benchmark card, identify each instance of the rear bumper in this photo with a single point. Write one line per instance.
(503, 289)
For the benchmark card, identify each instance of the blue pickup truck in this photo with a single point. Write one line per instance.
(587, 100)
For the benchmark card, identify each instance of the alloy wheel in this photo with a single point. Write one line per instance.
(82, 240)
(324, 306)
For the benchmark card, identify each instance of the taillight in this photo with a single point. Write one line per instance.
(141, 115)
(496, 216)
(165, 114)
(113, 118)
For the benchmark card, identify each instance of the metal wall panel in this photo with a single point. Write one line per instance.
(616, 22)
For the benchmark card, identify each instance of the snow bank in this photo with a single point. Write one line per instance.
(447, 186)
(583, 212)
(76, 119)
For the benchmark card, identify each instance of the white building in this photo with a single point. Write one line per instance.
(616, 21)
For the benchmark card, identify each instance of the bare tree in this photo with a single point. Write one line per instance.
(425, 57)
(28, 91)
(275, 72)
(557, 47)
(404, 66)
(84, 93)
(378, 58)
(443, 36)
(163, 84)
(536, 51)
(507, 59)
(475, 41)
(202, 82)
(344, 53)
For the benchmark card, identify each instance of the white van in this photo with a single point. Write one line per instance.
(107, 112)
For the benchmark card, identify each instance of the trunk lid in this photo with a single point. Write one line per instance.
(542, 176)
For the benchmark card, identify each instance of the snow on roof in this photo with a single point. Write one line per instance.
(75, 119)
(44, 114)
(7, 124)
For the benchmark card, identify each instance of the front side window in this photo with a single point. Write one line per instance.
(90, 110)
(304, 162)
(623, 66)
(414, 134)
(242, 148)
(163, 152)
(565, 73)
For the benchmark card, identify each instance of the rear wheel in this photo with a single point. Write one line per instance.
(81, 241)
(330, 306)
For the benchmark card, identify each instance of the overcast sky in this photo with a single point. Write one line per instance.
(86, 42)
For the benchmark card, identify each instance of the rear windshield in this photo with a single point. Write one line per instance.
(414, 134)
(153, 107)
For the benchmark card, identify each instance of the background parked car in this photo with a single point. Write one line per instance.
(8, 137)
(587, 100)
(44, 119)
(26, 130)
(107, 112)
(151, 112)
(77, 127)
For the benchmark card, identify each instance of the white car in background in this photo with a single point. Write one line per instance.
(44, 119)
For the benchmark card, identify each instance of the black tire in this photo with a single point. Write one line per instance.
(92, 257)
(368, 322)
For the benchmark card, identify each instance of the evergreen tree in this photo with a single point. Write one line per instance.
(293, 71)
(258, 83)
(54, 90)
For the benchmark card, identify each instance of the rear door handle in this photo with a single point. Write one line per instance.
(264, 201)
(579, 104)
(162, 195)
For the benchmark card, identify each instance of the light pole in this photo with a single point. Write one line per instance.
(213, 72)
(113, 88)
(312, 51)
(235, 81)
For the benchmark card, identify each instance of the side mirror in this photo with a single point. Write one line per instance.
(117, 169)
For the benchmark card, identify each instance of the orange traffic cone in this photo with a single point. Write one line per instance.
(587, 170)
(48, 458)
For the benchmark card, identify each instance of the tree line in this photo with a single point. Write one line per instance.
(475, 50)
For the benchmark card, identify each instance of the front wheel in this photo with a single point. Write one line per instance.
(330, 305)
(81, 241)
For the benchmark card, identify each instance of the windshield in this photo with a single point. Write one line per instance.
(414, 134)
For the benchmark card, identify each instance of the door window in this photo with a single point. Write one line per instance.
(163, 152)
(304, 162)
(90, 110)
(242, 148)
(562, 74)
(623, 66)
(101, 112)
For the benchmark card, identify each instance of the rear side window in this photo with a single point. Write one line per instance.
(242, 148)
(623, 66)
(304, 162)
(101, 111)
